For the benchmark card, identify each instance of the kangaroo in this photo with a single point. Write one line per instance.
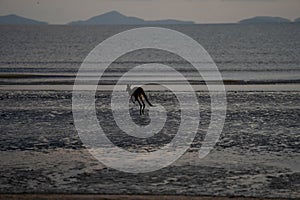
(138, 94)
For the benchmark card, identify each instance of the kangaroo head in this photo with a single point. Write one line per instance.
(128, 89)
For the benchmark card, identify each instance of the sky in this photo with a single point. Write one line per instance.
(199, 11)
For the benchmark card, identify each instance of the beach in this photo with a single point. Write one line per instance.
(41, 151)
(256, 157)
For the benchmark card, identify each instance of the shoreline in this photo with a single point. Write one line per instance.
(240, 87)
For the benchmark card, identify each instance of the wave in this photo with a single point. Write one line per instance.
(68, 79)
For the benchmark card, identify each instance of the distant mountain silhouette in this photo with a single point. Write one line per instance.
(297, 20)
(264, 19)
(117, 18)
(15, 19)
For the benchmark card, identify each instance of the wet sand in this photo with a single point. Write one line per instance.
(257, 155)
(118, 197)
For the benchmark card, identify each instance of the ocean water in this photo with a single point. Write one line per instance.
(53, 54)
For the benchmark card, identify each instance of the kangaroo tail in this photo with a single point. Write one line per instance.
(146, 98)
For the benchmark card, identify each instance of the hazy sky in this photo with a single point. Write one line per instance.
(200, 11)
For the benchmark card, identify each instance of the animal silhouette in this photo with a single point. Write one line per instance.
(138, 94)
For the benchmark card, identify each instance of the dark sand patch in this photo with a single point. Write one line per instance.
(117, 197)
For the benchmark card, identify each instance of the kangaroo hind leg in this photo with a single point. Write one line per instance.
(143, 109)
(140, 105)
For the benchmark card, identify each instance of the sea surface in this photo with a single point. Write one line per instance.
(53, 54)
(258, 152)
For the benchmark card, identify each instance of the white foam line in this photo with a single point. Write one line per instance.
(254, 87)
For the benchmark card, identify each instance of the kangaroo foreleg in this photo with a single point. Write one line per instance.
(132, 99)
